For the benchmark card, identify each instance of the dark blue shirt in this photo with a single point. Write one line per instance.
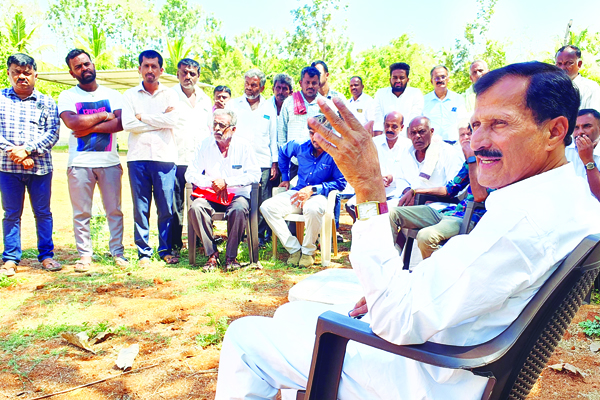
(312, 171)
(454, 187)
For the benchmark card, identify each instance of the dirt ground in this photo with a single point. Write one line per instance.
(171, 313)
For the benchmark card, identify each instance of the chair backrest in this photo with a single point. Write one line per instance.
(527, 344)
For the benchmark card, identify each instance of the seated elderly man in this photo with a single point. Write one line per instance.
(223, 169)
(464, 294)
(436, 226)
(317, 176)
(585, 156)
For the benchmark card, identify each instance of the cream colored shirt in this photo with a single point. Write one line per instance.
(151, 138)
(192, 126)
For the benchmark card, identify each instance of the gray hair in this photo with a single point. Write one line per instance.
(224, 111)
(463, 123)
(478, 61)
(285, 79)
(436, 67)
(257, 73)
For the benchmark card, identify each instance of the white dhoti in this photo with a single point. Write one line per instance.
(261, 355)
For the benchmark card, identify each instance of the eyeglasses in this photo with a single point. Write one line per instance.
(220, 126)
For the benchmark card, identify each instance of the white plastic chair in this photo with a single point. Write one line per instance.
(328, 229)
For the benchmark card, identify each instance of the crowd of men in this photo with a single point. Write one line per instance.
(178, 135)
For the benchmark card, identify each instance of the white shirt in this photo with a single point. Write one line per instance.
(409, 104)
(192, 125)
(362, 108)
(389, 158)
(573, 157)
(407, 173)
(259, 127)
(470, 97)
(96, 150)
(239, 169)
(589, 93)
(150, 139)
(471, 289)
(445, 114)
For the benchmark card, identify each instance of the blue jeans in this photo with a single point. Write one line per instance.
(12, 188)
(145, 178)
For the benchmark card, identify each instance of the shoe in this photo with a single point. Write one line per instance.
(340, 238)
(144, 262)
(170, 259)
(212, 263)
(10, 264)
(306, 261)
(232, 264)
(82, 266)
(51, 265)
(294, 259)
(121, 261)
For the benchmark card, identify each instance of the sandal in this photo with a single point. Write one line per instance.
(232, 264)
(82, 266)
(212, 263)
(8, 272)
(51, 265)
(170, 259)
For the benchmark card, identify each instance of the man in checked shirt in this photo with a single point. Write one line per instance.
(28, 129)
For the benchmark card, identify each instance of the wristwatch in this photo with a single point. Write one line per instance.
(369, 209)
(590, 165)
(314, 189)
(28, 149)
(471, 160)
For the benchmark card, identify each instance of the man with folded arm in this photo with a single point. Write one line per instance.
(224, 164)
(464, 294)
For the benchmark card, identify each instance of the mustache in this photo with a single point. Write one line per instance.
(488, 153)
(390, 133)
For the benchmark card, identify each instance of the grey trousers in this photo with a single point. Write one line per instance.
(82, 181)
(434, 227)
(200, 215)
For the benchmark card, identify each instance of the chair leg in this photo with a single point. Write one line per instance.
(300, 231)
(274, 245)
(250, 241)
(335, 243)
(191, 244)
(326, 239)
(407, 252)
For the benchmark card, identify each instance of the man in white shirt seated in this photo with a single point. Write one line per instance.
(390, 147)
(195, 116)
(257, 123)
(466, 293)
(225, 164)
(361, 104)
(442, 106)
(400, 97)
(585, 155)
(568, 58)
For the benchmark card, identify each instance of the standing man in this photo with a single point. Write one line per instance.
(191, 129)
(93, 113)
(221, 95)
(29, 128)
(282, 88)
(568, 58)
(585, 155)
(149, 115)
(477, 69)
(443, 106)
(326, 90)
(257, 123)
(225, 164)
(408, 101)
(361, 103)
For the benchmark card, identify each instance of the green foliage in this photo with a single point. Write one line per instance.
(591, 328)
(216, 338)
(20, 39)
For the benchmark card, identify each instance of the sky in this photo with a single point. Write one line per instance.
(528, 26)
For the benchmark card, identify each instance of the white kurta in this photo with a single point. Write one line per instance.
(466, 293)
(589, 93)
(192, 126)
(362, 108)
(409, 104)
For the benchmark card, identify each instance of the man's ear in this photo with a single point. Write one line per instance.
(557, 128)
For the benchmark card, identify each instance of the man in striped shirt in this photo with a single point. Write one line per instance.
(28, 129)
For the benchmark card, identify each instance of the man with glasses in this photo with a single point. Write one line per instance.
(222, 171)
(568, 58)
(443, 107)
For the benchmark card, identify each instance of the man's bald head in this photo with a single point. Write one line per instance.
(393, 124)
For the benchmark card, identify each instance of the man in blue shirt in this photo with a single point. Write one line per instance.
(317, 176)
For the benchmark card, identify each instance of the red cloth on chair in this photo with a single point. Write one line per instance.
(210, 195)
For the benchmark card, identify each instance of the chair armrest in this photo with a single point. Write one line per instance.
(466, 222)
(422, 198)
(331, 200)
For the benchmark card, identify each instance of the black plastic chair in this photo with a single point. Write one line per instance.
(251, 228)
(512, 361)
(422, 199)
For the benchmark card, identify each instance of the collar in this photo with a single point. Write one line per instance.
(161, 88)
(33, 96)
(315, 100)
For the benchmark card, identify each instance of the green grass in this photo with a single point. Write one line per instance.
(12, 281)
(591, 328)
(91, 281)
(213, 339)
